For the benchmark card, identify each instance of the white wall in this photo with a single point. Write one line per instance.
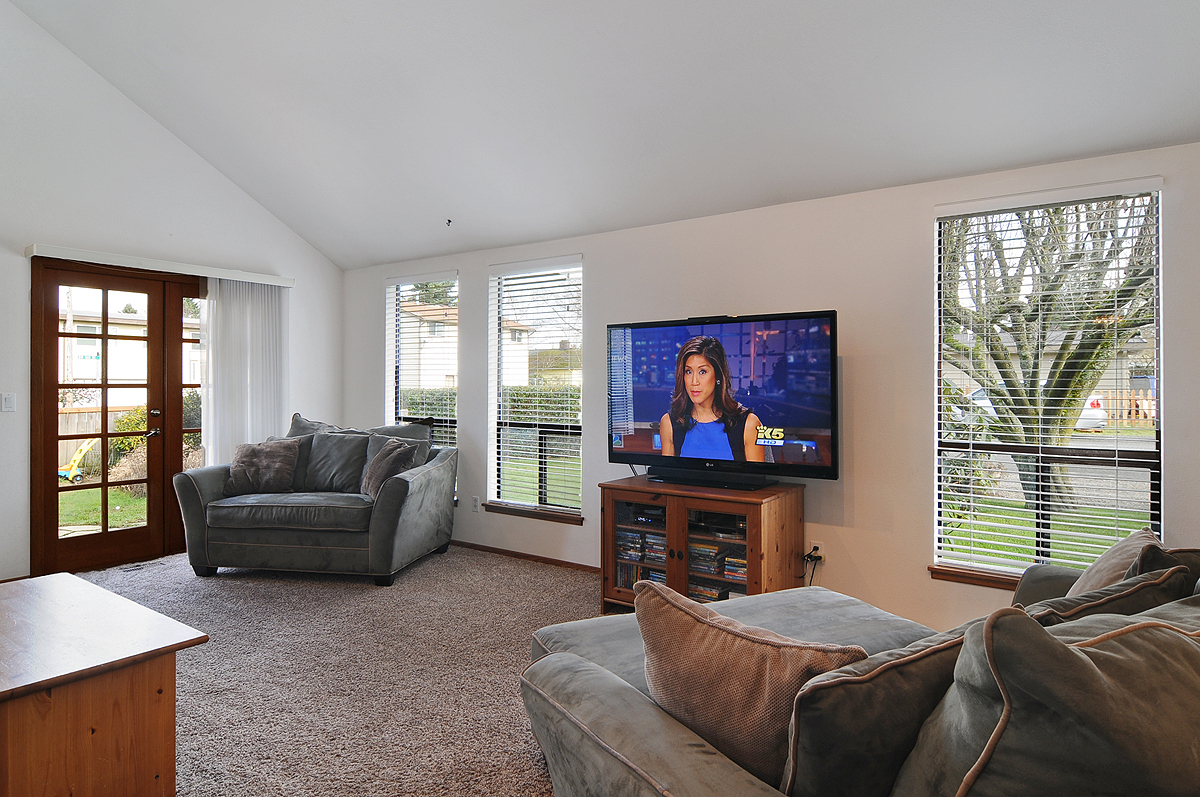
(82, 167)
(870, 256)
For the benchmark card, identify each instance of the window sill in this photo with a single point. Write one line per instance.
(968, 575)
(536, 514)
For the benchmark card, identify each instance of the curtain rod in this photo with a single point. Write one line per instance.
(105, 259)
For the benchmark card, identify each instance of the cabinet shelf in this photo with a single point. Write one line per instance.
(763, 530)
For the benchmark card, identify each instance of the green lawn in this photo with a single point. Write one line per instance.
(82, 508)
(519, 481)
(1008, 528)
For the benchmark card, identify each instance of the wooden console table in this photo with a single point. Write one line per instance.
(87, 691)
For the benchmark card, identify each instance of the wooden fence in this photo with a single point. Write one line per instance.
(1129, 408)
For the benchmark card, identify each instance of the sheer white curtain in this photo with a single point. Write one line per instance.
(245, 390)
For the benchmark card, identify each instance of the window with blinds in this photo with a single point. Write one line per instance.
(1048, 435)
(422, 345)
(535, 378)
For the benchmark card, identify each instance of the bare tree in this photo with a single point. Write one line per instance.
(1036, 304)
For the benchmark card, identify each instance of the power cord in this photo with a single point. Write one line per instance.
(812, 558)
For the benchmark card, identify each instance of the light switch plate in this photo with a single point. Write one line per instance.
(8, 402)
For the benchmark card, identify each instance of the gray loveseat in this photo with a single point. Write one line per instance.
(1091, 694)
(325, 522)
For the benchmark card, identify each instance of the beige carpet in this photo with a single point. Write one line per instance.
(330, 685)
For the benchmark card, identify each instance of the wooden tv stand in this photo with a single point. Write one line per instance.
(704, 542)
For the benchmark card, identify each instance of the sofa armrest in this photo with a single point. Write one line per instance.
(603, 737)
(414, 513)
(1042, 582)
(195, 489)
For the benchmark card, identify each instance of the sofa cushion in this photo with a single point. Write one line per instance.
(1133, 595)
(814, 613)
(1102, 705)
(263, 467)
(409, 433)
(395, 457)
(302, 426)
(301, 459)
(336, 463)
(315, 511)
(731, 683)
(1154, 558)
(852, 728)
(1111, 565)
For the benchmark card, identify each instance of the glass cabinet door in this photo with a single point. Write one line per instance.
(641, 543)
(716, 555)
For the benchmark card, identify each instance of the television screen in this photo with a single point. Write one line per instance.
(752, 395)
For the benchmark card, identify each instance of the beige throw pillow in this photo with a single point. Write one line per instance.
(731, 683)
(1112, 564)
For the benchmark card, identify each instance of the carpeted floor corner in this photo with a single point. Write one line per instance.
(328, 685)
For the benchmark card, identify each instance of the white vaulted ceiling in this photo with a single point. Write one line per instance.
(364, 126)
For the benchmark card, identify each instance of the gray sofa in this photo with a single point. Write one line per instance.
(324, 523)
(1030, 700)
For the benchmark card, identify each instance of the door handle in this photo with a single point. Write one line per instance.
(153, 433)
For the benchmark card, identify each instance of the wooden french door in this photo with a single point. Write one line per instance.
(114, 412)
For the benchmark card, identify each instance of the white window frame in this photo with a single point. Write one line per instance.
(424, 332)
(549, 504)
(989, 560)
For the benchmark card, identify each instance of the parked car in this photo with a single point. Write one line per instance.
(1093, 417)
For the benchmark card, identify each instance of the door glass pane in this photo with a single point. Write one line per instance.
(126, 361)
(194, 355)
(78, 360)
(78, 410)
(78, 512)
(78, 306)
(193, 454)
(78, 461)
(126, 506)
(127, 313)
(127, 409)
(126, 458)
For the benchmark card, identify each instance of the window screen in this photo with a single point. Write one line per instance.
(422, 330)
(535, 379)
(1048, 433)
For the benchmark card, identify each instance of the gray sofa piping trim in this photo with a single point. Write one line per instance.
(304, 547)
(591, 734)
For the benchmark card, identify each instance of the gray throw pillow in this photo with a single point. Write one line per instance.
(1130, 596)
(1110, 567)
(302, 426)
(395, 457)
(336, 463)
(1102, 705)
(1154, 558)
(301, 460)
(378, 441)
(853, 727)
(263, 467)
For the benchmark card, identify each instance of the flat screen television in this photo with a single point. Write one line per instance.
(758, 398)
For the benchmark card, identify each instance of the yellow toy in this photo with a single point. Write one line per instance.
(70, 471)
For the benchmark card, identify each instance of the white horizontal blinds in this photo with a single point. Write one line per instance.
(422, 330)
(620, 381)
(1048, 403)
(536, 374)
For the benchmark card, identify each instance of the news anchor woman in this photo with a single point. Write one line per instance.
(705, 420)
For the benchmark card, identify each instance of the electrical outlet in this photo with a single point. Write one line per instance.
(817, 549)
(474, 503)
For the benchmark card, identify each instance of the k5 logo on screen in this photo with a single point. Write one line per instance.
(769, 436)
